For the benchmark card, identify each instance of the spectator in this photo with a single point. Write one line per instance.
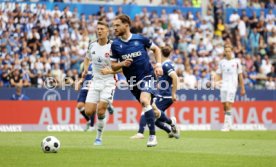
(189, 81)
(18, 95)
(110, 15)
(270, 4)
(16, 79)
(254, 38)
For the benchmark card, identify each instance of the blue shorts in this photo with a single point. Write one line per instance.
(147, 84)
(82, 95)
(163, 103)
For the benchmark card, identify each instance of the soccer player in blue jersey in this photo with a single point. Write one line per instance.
(82, 97)
(129, 52)
(167, 86)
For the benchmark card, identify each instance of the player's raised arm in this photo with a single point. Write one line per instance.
(85, 66)
(115, 64)
(174, 77)
(157, 54)
(107, 71)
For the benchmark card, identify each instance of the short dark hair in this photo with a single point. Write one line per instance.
(103, 23)
(166, 51)
(124, 18)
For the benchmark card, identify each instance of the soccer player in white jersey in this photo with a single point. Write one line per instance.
(102, 86)
(229, 73)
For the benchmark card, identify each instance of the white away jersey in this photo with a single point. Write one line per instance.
(229, 70)
(100, 57)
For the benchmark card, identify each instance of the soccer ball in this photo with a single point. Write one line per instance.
(50, 144)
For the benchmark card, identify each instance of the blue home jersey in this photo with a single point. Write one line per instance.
(135, 48)
(88, 77)
(165, 81)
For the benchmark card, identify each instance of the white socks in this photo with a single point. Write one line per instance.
(228, 120)
(100, 128)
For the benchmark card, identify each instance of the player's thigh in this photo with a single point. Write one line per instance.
(90, 108)
(107, 94)
(156, 111)
(93, 96)
(230, 98)
(163, 103)
(102, 107)
(145, 98)
(135, 92)
(223, 95)
(80, 105)
(81, 98)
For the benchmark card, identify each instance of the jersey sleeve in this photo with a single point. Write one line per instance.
(219, 70)
(168, 69)
(147, 42)
(114, 55)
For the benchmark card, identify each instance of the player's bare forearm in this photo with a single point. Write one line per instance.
(107, 71)
(157, 53)
(116, 66)
(241, 83)
(86, 64)
(217, 77)
(174, 85)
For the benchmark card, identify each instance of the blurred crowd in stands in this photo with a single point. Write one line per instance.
(40, 43)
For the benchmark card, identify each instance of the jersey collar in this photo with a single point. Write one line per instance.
(127, 39)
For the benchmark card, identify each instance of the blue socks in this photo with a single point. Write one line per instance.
(92, 119)
(162, 126)
(164, 118)
(149, 115)
(142, 124)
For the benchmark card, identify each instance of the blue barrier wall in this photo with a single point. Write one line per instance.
(183, 95)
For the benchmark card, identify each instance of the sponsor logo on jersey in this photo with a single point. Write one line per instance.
(107, 55)
(136, 43)
(132, 55)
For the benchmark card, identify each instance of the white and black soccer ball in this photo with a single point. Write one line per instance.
(50, 144)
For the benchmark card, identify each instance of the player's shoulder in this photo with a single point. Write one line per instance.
(137, 36)
(115, 42)
(237, 60)
(168, 64)
(92, 43)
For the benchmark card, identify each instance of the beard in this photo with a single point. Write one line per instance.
(119, 33)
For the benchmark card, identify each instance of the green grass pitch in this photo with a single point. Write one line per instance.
(194, 149)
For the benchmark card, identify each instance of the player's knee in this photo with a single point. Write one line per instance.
(88, 112)
(145, 102)
(80, 105)
(157, 113)
(101, 111)
(227, 107)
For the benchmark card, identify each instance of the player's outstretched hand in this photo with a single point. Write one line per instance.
(158, 71)
(242, 92)
(127, 62)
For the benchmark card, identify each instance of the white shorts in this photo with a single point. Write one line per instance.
(227, 96)
(100, 91)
